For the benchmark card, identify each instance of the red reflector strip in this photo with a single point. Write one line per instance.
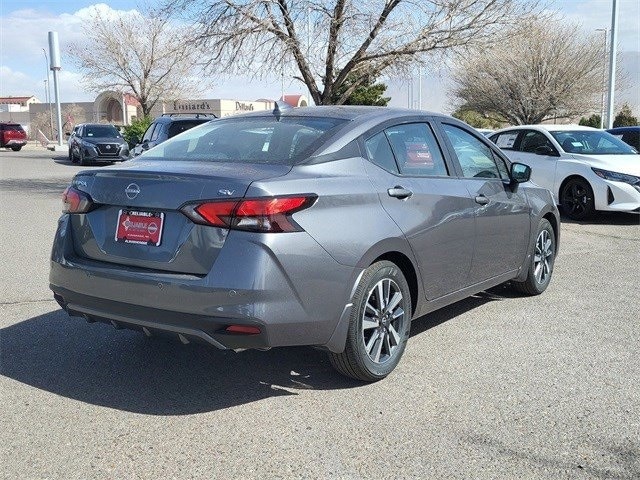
(243, 329)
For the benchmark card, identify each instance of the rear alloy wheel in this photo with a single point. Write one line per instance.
(379, 325)
(542, 260)
(576, 199)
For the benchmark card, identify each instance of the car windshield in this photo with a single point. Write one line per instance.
(591, 142)
(247, 140)
(96, 131)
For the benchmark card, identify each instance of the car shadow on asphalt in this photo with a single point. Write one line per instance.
(606, 218)
(63, 160)
(124, 370)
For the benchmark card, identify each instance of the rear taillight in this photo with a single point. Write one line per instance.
(75, 201)
(269, 214)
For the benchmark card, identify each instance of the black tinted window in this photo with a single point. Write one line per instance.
(13, 127)
(183, 125)
(379, 152)
(248, 140)
(532, 141)
(97, 131)
(416, 150)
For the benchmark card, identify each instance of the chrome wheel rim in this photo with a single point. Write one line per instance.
(543, 257)
(382, 320)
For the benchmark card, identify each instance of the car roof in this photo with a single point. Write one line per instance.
(95, 125)
(345, 112)
(548, 128)
(624, 129)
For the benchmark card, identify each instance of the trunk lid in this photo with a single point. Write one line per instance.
(160, 187)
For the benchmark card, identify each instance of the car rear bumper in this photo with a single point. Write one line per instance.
(284, 284)
(15, 143)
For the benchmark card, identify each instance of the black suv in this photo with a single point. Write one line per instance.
(167, 126)
(97, 142)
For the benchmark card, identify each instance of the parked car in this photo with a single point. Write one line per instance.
(586, 169)
(629, 135)
(168, 126)
(324, 226)
(12, 136)
(485, 131)
(91, 143)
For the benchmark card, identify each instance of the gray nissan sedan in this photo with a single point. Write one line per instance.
(325, 226)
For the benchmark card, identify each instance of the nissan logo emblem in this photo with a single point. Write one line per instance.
(108, 147)
(132, 191)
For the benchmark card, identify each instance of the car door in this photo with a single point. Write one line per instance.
(537, 151)
(502, 213)
(432, 208)
(75, 141)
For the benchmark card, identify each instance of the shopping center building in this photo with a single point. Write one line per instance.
(121, 109)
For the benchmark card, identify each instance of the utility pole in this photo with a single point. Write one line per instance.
(54, 55)
(604, 77)
(612, 63)
(47, 92)
(420, 88)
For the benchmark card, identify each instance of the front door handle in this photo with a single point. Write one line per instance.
(399, 192)
(482, 200)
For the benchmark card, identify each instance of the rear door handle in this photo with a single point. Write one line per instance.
(482, 200)
(399, 192)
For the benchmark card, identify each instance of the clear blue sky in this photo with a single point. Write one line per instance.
(24, 25)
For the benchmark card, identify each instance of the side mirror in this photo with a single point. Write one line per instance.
(520, 172)
(544, 150)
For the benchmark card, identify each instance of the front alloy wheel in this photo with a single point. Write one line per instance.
(577, 200)
(379, 324)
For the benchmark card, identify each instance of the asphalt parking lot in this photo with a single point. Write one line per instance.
(496, 386)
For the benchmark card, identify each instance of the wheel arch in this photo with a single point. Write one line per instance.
(568, 178)
(407, 268)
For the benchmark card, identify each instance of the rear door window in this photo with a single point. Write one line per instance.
(506, 140)
(380, 153)
(416, 150)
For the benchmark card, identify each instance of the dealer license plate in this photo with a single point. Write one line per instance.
(135, 226)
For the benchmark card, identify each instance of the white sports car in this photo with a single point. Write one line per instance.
(586, 169)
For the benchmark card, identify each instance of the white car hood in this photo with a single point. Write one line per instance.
(629, 164)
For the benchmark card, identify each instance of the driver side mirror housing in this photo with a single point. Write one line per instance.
(520, 172)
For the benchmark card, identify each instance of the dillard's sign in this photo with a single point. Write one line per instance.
(190, 107)
(244, 107)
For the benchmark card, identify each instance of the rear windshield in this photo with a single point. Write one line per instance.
(13, 127)
(248, 140)
(592, 142)
(183, 125)
(96, 131)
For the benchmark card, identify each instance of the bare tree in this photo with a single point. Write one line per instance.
(549, 70)
(145, 56)
(331, 40)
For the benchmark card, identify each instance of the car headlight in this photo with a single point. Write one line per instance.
(617, 177)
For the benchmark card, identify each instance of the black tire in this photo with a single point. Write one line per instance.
(542, 257)
(83, 161)
(576, 199)
(16, 149)
(357, 361)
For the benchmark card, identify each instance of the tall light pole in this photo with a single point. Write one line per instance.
(420, 88)
(612, 62)
(604, 77)
(47, 92)
(54, 54)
